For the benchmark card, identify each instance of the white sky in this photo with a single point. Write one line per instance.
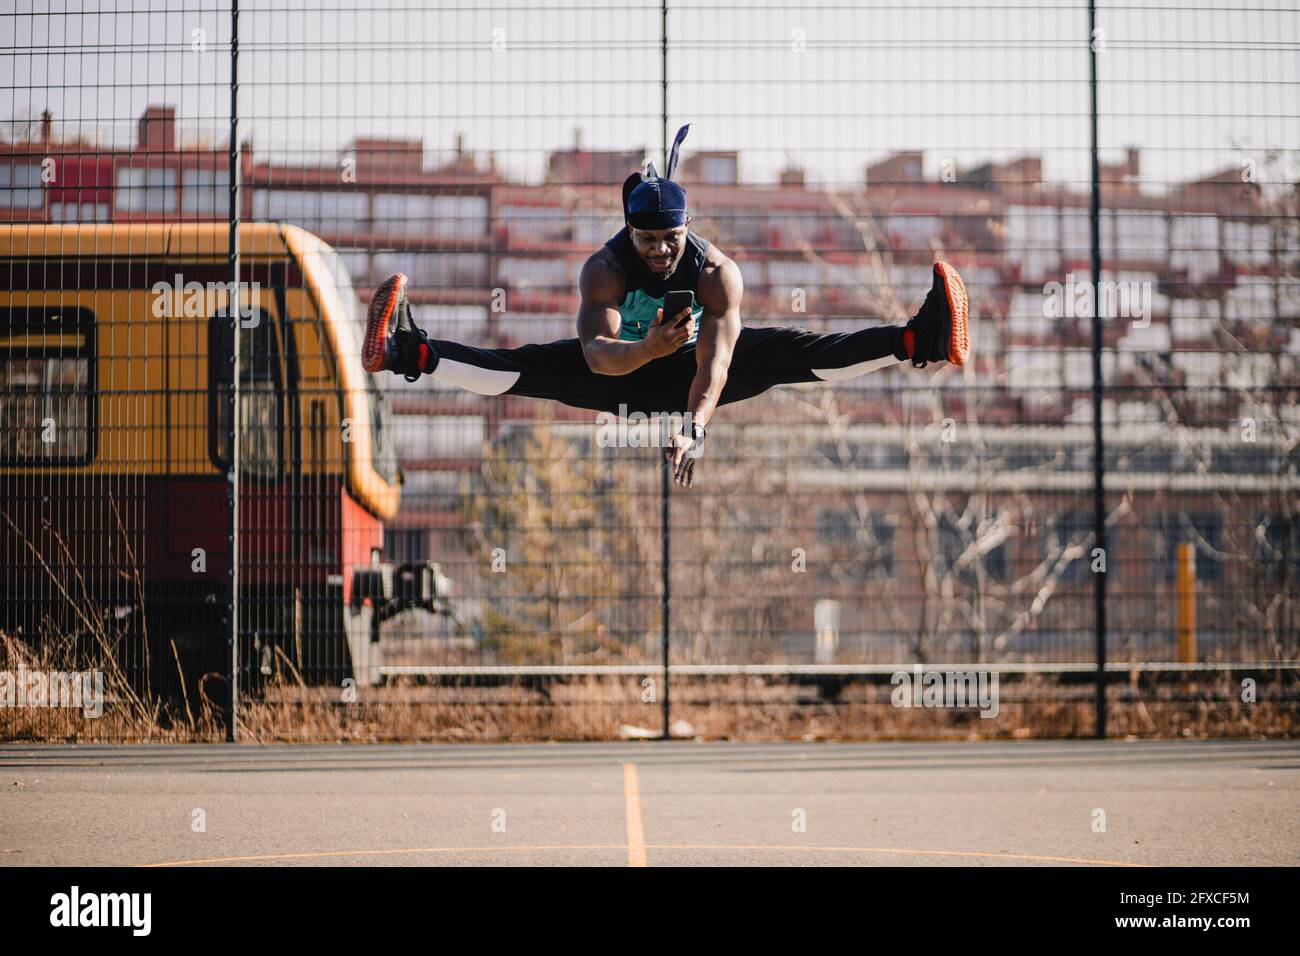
(1197, 85)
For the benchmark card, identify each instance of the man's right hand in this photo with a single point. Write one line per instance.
(666, 337)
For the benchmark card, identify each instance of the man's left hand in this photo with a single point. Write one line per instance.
(683, 450)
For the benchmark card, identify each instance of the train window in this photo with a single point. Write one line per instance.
(261, 409)
(47, 376)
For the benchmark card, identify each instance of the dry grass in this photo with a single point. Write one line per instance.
(130, 712)
(593, 708)
(756, 709)
(598, 708)
(84, 641)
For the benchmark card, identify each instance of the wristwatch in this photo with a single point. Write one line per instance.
(696, 431)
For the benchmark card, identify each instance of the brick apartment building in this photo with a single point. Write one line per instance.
(495, 262)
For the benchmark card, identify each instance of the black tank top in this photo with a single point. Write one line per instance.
(644, 293)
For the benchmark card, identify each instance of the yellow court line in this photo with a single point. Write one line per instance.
(632, 810)
(766, 847)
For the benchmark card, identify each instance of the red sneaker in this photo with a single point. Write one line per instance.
(940, 330)
(393, 342)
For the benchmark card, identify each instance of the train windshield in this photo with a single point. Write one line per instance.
(382, 446)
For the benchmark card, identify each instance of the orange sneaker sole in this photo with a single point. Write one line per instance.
(959, 306)
(379, 319)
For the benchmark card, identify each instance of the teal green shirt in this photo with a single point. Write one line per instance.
(638, 312)
(645, 292)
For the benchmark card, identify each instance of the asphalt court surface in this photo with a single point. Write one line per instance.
(1089, 803)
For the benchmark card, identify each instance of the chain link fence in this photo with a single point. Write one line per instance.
(415, 560)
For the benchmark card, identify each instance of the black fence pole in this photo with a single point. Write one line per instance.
(1098, 431)
(663, 80)
(665, 465)
(665, 567)
(232, 406)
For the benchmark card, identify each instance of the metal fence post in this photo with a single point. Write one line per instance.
(666, 570)
(232, 407)
(665, 464)
(1098, 437)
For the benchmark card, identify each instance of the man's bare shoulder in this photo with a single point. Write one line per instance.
(714, 258)
(720, 279)
(604, 260)
(602, 275)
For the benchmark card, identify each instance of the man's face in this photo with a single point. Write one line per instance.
(660, 249)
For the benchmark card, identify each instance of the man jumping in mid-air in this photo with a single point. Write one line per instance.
(629, 354)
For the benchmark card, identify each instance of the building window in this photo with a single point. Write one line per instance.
(406, 213)
(539, 223)
(357, 262)
(863, 546)
(420, 214)
(79, 212)
(741, 226)
(46, 386)
(206, 191)
(459, 216)
(1278, 537)
(538, 273)
(434, 268)
(964, 551)
(595, 225)
(337, 211)
(1072, 530)
(20, 187)
(145, 189)
(718, 170)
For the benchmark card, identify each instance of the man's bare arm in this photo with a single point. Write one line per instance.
(598, 324)
(720, 291)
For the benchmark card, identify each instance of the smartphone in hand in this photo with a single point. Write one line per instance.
(677, 300)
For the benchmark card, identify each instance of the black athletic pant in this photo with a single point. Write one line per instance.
(762, 358)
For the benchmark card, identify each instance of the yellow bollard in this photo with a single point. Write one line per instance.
(1186, 611)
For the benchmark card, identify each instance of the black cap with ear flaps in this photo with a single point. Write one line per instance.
(629, 184)
(654, 202)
